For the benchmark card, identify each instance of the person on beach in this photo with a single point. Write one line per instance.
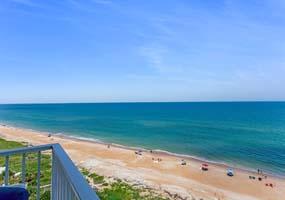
(157, 159)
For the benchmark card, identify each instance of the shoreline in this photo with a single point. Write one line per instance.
(164, 153)
(166, 175)
(154, 151)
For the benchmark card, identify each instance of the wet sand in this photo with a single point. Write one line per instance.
(168, 174)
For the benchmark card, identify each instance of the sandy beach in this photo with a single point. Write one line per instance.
(165, 174)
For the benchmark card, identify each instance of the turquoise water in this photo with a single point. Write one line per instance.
(248, 135)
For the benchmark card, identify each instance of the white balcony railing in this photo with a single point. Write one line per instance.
(67, 183)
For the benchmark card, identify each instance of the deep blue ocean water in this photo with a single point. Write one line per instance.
(242, 134)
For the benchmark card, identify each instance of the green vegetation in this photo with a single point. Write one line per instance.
(116, 190)
(120, 190)
(97, 179)
(9, 144)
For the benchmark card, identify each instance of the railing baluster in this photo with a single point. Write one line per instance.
(24, 168)
(59, 183)
(53, 177)
(65, 187)
(6, 182)
(39, 175)
(68, 191)
(57, 179)
(73, 196)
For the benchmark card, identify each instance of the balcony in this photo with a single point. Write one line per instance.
(66, 183)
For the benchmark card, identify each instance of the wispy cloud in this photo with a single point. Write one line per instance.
(214, 35)
(227, 45)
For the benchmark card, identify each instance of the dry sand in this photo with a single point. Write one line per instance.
(167, 175)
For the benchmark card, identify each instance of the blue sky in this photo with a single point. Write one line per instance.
(127, 50)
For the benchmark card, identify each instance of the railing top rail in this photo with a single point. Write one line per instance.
(26, 150)
(79, 184)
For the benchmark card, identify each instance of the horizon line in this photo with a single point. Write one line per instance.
(125, 102)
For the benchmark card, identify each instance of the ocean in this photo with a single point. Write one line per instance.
(248, 135)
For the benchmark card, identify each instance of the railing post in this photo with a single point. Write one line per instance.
(67, 170)
(53, 178)
(24, 168)
(39, 176)
(6, 182)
